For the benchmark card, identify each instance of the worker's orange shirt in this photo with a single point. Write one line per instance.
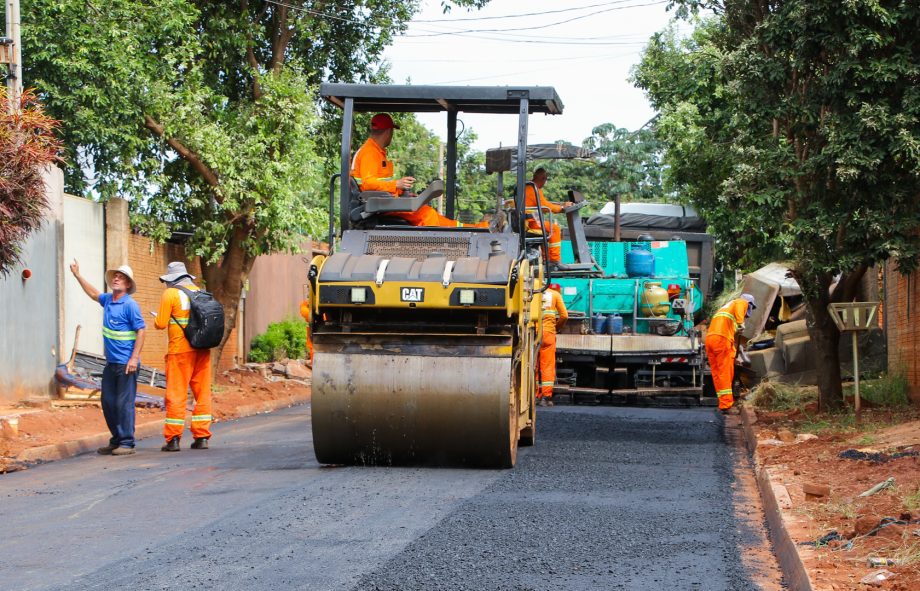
(554, 312)
(371, 169)
(530, 200)
(728, 319)
(174, 312)
(305, 310)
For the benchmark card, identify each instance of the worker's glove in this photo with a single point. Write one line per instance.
(497, 223)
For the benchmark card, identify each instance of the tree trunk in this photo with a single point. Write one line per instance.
(825, 338)
(225, 279)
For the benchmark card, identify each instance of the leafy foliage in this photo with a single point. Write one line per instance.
(203, 112)
(281, 340)
(794, 126)
(28, 144)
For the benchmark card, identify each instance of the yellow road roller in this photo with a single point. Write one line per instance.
(426, 339)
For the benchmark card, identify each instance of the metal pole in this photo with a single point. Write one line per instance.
(14, 83)
(856, 379)
(345, 164)
(451, 180)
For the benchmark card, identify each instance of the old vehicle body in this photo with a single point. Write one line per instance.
(425, 338)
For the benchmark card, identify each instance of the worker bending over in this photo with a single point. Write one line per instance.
(554, 316)
(373, 171)
(185, 365)
(533, 222)
(726, 323)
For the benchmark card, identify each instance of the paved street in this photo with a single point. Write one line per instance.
(610, 498)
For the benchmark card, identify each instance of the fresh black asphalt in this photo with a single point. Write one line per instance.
(609, 498)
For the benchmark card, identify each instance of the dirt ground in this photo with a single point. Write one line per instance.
(55, 421)
(884, 525)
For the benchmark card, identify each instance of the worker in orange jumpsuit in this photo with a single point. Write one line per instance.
(305, 312)
(720, 345)
(185, 365)
(530, 200)
(554, 316)
(373, 171)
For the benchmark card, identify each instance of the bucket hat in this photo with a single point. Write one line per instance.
(174, 271)
(124, 270)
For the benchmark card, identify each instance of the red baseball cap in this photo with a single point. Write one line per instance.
(382, 121)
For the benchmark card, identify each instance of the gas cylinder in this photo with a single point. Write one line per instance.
(654, 300)
(614, 324)
(597, 323)
(640, 262)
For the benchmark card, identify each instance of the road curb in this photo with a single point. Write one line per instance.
(786, 551)
(60, 451)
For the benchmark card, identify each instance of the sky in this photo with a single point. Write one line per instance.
(583, 48)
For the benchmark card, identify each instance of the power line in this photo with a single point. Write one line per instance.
(522, 14)
(555, 24)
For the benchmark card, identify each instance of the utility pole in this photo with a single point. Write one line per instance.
(11, 53)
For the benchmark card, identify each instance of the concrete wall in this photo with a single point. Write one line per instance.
(84, 240)
(902, 321)
(30, 309)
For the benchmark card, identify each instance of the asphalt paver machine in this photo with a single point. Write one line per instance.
(425, 339)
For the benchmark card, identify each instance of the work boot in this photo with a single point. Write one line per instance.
(200, 443)
(106, 450)
(171, 445)
(548, 402)
(122, 451)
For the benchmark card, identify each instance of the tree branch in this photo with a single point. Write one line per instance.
(184, 152)
(251, 54)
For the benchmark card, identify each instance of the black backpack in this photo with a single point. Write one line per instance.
(205, 319)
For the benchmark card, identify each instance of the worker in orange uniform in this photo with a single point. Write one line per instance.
(305, 312)
(185, 365)
(720, 345)
(554, 316)
(373, 171)
(555, 233)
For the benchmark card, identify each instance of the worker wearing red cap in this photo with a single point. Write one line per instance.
(532, 198)
(554, 316)
(720, 345)
(373, 171)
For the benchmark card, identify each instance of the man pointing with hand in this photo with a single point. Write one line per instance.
(123, 330)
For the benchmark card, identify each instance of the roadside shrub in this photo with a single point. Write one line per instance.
(281, 340)
(888, 390)
(28, 144)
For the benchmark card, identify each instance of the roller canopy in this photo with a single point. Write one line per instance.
(432, 99)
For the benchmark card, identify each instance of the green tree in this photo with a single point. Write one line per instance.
(630, 162)
(202, 112)
(28, 144)
(794, 126)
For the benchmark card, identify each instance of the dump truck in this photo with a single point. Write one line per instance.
(633, 333)
(425, 339)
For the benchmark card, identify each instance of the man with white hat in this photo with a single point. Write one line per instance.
(185, 365)
(720, 345)
(123, 331)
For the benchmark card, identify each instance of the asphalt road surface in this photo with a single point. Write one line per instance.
(609, 498)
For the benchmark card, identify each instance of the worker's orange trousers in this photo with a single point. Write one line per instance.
(721, 354)
(546, 375)
(429, 216)
(554, 241)
(192, 368)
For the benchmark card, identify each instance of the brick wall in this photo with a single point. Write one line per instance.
(148, 260)
(902, 307)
